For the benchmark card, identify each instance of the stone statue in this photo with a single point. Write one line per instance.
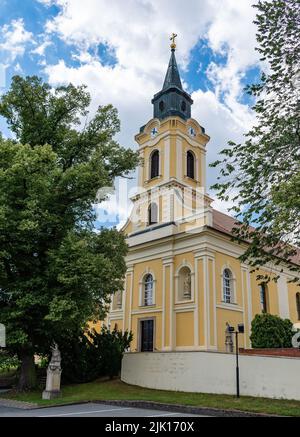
(187, 286)
(53, 375)
(228, 339)
(119, 300)
(55, 359)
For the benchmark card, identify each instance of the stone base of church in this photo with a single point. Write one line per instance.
(213, 372)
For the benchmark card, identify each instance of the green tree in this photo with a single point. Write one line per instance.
(269, 331)
(264, 171)
(56, 272)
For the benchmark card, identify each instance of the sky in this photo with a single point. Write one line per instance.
(120, 50)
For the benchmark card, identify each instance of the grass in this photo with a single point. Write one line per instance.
(117, 390)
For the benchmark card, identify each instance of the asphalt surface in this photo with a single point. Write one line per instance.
(88, 410)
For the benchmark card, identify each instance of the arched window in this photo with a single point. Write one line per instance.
(152, 214)
(148, 290)
(154, 161)
(298, 304)
(185, 284)
(227, 286)
(190, 161)
(263, 295)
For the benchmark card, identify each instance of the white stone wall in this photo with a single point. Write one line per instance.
(213, 372)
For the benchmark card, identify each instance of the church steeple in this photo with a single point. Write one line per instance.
(172, 99)
(172, 77)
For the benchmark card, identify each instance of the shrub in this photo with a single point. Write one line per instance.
(91, 355)
(269, 331)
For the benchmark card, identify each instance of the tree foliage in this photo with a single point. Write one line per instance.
(56, 272)
(269, 331)
(264, 171)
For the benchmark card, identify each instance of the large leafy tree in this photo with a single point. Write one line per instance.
(264, 171)
(56, 272)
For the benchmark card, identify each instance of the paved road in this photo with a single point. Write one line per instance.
(88, 410)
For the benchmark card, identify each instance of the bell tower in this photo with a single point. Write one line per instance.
(172, 176)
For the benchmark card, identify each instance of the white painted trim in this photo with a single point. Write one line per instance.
(196, 311)
(243, 272)
(179, 158)
(283, 298)
(141, 170)
(230, 307)
(167, 159)
(131, 273)
(203, 170)
(206, 301)
(215, 301)
(172, 327)
(115, 317)
(250, 315)
(163, 305)
(185, 309)
(146, 311)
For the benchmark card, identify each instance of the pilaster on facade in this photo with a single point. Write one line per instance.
(283, 298)
(168, 263)
(129, 277)
(210, 338)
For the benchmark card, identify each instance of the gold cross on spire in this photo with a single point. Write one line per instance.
(173, 45)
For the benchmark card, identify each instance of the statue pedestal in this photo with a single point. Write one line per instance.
(52, 390)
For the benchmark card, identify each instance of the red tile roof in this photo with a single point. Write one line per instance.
(225, 223)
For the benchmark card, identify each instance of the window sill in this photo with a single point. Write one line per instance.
(147, 306)
(182, 302)
(153, 179)
(230, 306)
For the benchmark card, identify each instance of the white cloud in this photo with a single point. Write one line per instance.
(13, 39)
(138, 36)
(40, 50)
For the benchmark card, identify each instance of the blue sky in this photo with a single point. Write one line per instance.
(122, 55)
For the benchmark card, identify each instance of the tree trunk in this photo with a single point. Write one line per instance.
(27, 378)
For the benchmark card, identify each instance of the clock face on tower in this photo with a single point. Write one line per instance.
(192, 132)
(154, 132)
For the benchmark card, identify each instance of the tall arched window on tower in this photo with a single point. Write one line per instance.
(148, 290)
(152, 214)
(190, 162)
(263, 294)
(298, 304)
(154, 162)
(227, 286)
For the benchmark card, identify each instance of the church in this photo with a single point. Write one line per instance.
(184, 281)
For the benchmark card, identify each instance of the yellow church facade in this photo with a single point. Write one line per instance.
(184, 281)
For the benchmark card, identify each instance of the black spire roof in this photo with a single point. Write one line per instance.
(172, 76)
(172, 99)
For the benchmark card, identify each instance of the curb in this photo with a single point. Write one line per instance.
(176, 408)
(10, 403)
(151, 405)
